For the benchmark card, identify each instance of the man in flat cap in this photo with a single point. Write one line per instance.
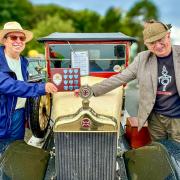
(158, 74)
(13, 86)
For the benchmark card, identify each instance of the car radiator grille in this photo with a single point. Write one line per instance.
(85, 156)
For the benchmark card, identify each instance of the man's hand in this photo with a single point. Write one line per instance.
(50, 88)
(76, 92)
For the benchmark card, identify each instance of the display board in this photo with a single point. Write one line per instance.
(66, 79)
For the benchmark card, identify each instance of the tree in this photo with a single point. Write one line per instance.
(134, 20)
(45, 19)
(143, 10)
(86, 21)
(16, 10)
(47, 26)
(112, 20)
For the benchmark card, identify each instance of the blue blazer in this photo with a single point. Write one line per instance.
(11, 89)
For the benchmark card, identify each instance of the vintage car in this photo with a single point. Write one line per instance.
(84, 134)
(101, 54)
(89, 139)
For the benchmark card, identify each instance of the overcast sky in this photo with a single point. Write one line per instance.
(169, 11)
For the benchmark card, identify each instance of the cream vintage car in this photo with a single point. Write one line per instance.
(87, 130)
(86, 137)
(103, 54)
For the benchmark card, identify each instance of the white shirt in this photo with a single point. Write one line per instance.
(15, 66)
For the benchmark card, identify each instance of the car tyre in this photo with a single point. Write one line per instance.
(39, 114)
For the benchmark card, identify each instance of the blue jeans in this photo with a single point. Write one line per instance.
(16, 130)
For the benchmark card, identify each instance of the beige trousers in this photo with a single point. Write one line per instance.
(163, 127)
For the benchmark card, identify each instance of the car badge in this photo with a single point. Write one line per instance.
(70, 71)
(65, 71)
(65, 76)
(76, 87)
(85, 92)
(117, 68)
(76, 76)
(71, 82)
(76, 81)
(66, 88)
(86, 123)
(57, 79)
(65, 82)
(70, 76)
(76, 71)
(71, 88)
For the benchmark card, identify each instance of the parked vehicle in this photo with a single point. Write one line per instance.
(107, 54)
(87, 134)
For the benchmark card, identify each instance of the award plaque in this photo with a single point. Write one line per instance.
(66, 79)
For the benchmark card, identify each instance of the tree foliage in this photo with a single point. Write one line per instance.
(136, 16)
(143, 10)
(112, 20)
(42, 11)
(87, 21)
(17, 10)
(46, 19)
(47, 26)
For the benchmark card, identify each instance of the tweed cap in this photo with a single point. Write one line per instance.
(154, 30)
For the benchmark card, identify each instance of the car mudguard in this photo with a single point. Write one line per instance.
(149, 162)
(23, 162)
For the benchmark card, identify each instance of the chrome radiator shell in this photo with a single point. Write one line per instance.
(85, 155)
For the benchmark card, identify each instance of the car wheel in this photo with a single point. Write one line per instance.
(39, 114)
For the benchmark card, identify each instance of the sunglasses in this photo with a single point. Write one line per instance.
(14, 37)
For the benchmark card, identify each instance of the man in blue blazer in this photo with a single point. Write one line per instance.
(13, 86)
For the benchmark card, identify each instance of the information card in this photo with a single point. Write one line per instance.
(80, 59)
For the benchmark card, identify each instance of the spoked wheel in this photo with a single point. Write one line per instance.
(39, 114)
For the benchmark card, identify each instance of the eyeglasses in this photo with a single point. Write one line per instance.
(14, 37)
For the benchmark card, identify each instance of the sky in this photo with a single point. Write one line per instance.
(169, 11)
